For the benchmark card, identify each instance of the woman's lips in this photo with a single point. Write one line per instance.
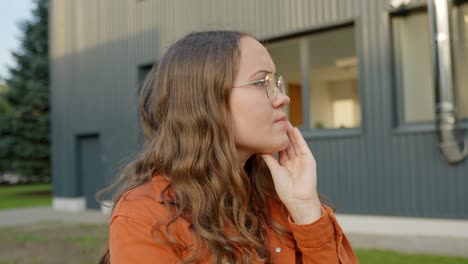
(283, 122)
(282, 119)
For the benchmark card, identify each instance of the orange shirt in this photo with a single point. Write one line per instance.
(131, 242)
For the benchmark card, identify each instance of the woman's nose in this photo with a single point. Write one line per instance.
(281, 101)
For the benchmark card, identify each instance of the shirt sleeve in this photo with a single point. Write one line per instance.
(130, 242)
(131, 239)
(323, 241)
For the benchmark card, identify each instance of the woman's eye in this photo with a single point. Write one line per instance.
(260, 83)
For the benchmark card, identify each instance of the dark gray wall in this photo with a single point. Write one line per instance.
(382, 168)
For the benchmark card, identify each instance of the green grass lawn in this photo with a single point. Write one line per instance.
(52, 242)
(25, 195)
(389, 257)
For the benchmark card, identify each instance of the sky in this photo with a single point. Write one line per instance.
(11, 13)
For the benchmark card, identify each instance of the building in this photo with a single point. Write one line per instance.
(359, 75)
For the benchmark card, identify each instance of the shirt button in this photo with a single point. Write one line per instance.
(278, 250)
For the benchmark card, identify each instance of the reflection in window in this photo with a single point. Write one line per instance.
(413, 59)
(461, 58)
(332, 69)
(334, 89)
(411, 39)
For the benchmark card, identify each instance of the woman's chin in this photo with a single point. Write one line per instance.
(283, 146)
(279, 146)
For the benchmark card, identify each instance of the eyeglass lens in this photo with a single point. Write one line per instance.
(275, 86)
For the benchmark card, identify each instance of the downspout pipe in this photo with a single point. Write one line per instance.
(452, 148)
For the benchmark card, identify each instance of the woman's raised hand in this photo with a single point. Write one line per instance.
(295, 178)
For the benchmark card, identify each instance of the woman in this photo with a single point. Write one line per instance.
(207, 188)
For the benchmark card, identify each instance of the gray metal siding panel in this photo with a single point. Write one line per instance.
(377, 172)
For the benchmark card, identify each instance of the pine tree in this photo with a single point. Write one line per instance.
(26, 143)
(4, 105)
(6, 139)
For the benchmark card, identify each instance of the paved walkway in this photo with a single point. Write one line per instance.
(407, 234)
(403, 234)
(24, 216)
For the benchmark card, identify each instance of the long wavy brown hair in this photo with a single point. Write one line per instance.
(185, 114)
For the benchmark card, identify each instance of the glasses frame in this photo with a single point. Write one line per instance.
(274, 86)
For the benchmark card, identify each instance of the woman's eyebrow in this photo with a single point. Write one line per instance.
(259, 71)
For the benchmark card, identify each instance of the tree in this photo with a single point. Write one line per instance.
(6, 140)
(4, 105)
(25, 142)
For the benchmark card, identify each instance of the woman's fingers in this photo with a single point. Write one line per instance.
(301, 146)
(290, 148)
(292, 138)
(283, 157)
(297, 146)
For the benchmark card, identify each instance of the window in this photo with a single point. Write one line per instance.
(411, 40)
(413, 66)
(329, 63)
(460, 39)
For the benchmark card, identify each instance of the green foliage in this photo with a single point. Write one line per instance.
(6, 120)
(3, 89)
(24, 111)
(4, 105)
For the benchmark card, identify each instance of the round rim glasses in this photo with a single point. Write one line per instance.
(274, 86)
